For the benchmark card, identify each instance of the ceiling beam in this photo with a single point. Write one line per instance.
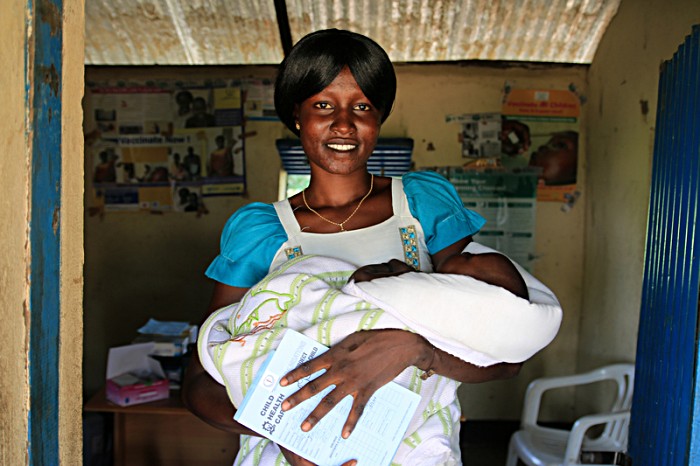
(283, 25)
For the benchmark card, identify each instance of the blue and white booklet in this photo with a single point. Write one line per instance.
(373, 442)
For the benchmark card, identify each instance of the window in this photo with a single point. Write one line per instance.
(391, 157)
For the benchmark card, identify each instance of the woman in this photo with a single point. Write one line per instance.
(334, 90)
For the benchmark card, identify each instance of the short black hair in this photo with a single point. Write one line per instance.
(317, 59)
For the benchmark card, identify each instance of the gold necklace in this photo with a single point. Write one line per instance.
(342, 228)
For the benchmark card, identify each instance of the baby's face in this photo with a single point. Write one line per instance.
(385, 269)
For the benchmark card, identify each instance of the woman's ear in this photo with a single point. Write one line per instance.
(295, 115)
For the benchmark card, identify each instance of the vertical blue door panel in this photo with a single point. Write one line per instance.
(665, 413)
(44, 80)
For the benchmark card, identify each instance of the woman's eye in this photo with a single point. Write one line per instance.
(322, 105)
(362, 107)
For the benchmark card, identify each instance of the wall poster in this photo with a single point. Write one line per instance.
(540, 129)
(507, 200)
(164, 146)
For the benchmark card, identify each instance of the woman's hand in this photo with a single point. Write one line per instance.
(359, 365)
(296, 460)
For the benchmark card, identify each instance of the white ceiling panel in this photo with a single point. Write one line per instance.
(218, 32)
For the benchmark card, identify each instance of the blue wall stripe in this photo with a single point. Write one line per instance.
(664, 426)
(45, 130)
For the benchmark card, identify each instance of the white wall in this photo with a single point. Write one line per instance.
(623, 79)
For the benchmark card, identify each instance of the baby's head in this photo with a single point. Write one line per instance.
(385, 269)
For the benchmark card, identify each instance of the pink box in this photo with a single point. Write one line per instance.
(127, 390)
(134, 377)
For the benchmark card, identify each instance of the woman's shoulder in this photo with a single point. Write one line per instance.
(427, 184)
(435, 203)
(249, 241)
(255, 213)
(424, 178)
(255, 221)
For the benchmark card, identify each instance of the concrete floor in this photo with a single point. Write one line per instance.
(485, 443)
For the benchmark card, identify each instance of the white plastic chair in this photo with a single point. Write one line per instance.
(536, 445)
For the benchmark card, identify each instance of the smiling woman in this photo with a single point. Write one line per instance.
(334, 90)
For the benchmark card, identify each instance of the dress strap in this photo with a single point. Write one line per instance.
(287, 218)
(399, 200)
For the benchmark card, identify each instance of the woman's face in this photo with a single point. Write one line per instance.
(339, 126)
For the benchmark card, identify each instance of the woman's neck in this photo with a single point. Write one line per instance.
(337, 190)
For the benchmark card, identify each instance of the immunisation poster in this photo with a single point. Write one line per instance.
(164, 146)
(506, 199)
(540, 129)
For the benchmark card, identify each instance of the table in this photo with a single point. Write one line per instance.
(164, 433)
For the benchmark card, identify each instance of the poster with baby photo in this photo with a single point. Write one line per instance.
(219, 154)
(540, 130)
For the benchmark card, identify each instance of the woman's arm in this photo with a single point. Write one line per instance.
(202, 395)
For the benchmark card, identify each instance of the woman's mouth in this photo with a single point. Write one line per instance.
(341, 147)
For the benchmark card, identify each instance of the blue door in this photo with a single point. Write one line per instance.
(665, 421)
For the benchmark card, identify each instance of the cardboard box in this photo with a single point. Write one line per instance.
(165, 345)
(134, 377)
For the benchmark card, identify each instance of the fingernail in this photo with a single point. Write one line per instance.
(286, 405)
(346, 433)
(306, 426)
(283, 382)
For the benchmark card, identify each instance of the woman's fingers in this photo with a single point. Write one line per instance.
(312, 388)
(327, 403)
(358, 408)
(305, 370)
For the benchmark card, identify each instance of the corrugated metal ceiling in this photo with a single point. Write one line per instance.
(219, 32)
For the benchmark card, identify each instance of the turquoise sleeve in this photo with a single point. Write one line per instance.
(249, 242)
(435, 203)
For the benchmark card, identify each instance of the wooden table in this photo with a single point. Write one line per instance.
(164, 433)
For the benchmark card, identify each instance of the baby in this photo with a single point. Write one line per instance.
(492, 268)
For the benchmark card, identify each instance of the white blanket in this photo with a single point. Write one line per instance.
(479, 323)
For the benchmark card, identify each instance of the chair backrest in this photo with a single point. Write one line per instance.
(623, 375)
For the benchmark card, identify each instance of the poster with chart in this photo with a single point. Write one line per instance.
(507, 200)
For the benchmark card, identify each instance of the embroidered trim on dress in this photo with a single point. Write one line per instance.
(291, 253)
(410, 246)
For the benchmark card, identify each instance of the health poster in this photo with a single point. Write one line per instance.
(540, 129)
(158, 146)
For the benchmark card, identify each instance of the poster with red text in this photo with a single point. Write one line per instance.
(540, 129)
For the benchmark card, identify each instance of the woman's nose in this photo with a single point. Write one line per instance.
(343, 122)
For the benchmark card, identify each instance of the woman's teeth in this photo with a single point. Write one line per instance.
(342, 147)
